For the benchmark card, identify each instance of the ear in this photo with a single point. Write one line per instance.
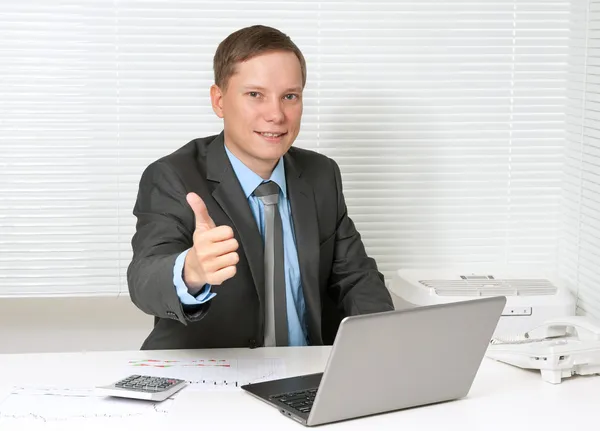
(216, 99)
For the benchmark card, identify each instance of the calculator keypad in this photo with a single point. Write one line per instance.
(146, 383)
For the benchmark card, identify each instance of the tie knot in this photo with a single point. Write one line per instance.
(267, 192)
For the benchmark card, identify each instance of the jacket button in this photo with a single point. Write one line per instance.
(252, 343)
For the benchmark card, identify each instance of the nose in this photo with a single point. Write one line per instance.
(274, 112)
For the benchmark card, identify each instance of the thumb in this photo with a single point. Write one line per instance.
(203, 220)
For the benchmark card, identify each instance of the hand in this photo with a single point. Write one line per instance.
(213, 256)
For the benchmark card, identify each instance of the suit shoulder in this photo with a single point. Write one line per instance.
(194, 149)
(310, 159)
(184, 158)
(183, 162)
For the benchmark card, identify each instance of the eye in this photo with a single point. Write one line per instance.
(253, 94)
(290, 97)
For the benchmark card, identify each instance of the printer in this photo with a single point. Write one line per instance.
(533, 295)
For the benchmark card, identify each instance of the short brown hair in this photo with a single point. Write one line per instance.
(247, 43)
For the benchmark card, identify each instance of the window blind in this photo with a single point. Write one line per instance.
(446, 118)
(580, 250)
(59, 149)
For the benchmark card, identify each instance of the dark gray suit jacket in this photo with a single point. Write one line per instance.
(338, 278)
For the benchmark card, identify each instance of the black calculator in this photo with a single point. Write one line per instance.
(143, 388)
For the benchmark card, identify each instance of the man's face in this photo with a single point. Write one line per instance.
(261, 109)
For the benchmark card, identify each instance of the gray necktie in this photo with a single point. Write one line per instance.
(276, 328)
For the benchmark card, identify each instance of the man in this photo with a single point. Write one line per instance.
(241, 240)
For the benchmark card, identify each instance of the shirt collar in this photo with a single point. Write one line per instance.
(250, 180)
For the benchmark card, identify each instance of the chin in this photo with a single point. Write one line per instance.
(270, 156)
(271, 150)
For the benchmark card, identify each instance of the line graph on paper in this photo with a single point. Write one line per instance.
(55, 404)
(212, 374)
(165, 363)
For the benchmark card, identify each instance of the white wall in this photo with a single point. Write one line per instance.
(76, 324)
(71, 324)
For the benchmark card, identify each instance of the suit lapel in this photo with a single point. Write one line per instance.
(304, 216)
(230, 196)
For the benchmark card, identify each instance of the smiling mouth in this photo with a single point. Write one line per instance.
(271, 135)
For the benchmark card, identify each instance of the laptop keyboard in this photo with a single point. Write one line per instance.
(299, 400)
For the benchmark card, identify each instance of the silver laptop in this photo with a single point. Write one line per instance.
(389, 361)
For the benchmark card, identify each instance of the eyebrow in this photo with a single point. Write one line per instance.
(258, 87)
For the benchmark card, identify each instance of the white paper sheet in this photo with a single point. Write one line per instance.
(54, 404)
(206, 374)
(60, 404)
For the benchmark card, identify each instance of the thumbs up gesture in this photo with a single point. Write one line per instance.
(213, 256)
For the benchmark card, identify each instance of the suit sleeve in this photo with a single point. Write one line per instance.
(164, 230)
(355, 281)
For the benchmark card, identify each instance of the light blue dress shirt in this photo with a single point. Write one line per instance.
(294, 297)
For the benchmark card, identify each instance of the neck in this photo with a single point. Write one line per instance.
(262, 168)
(265, 173)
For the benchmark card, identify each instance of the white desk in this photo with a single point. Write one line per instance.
(502, 397)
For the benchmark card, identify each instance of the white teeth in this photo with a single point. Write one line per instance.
(271, 135)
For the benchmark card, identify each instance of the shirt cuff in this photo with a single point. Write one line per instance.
(185, 297)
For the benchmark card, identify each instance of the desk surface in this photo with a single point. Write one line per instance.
(501, 398)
